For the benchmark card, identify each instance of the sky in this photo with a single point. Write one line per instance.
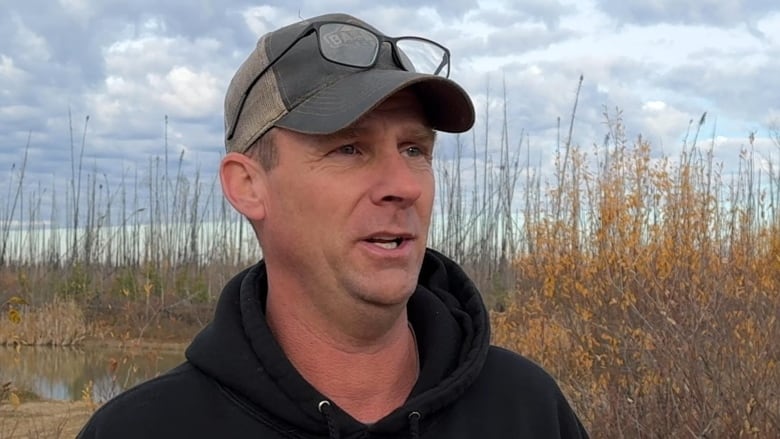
(126, 78)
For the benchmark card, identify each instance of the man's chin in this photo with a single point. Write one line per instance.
(386, 296)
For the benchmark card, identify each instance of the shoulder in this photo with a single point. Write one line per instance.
(512, 387)
(517, 369)
(512, 377)
(142, 410)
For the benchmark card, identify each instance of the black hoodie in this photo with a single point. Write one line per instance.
(237, 382)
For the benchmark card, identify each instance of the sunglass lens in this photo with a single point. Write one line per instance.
(347, 44)
(423, 56)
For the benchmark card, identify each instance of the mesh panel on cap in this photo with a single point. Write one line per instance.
(263, 106)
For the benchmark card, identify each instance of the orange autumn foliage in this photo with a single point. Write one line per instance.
(651, 291)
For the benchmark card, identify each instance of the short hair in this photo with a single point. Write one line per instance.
(264, 150)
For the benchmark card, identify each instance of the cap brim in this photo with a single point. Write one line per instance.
(341, 104)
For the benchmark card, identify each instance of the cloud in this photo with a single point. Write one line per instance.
(79, 10)
(658, 121)
(548, 12)
(31, 47)
(449, 9)
(263, 19)
(10, 75)
(708, 12)
(749, 91)
(129, 64)
(159, 73)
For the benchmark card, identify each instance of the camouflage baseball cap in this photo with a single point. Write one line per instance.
(290, 84)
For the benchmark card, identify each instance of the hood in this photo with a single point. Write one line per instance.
(238, 350)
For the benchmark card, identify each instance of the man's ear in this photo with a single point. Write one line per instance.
(244, 185)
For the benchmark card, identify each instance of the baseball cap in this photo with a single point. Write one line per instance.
(304, 92)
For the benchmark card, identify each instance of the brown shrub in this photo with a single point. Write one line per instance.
(58, 323)
(653, 296)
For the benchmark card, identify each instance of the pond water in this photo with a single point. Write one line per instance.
(69, 373)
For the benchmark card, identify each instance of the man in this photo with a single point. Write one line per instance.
(349, 327)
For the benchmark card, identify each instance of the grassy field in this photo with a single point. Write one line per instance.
(649, 286)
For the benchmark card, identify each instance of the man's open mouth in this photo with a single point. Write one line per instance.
(387, 243)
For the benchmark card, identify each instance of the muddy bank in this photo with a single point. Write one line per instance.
(43, 419)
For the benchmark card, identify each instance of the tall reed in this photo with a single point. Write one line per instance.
(152, 235)
(476, 220)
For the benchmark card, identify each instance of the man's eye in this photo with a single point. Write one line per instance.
(414, 151)
(347, 149)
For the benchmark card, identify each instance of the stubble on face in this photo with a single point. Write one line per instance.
(349, 212)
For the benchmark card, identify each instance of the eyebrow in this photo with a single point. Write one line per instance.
(423, 134)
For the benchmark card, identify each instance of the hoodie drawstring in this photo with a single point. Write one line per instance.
(414, 425)
(325, 408)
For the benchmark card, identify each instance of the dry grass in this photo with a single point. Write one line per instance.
(58, 323)
(43, 419)
(653, 296)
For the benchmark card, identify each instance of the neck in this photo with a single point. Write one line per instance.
(367, 377)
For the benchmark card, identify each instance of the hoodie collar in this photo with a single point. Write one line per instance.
(238, 350)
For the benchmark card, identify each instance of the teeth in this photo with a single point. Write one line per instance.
(387, 245)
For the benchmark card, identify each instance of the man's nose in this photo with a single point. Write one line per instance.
(398, 180)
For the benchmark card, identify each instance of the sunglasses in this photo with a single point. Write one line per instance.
(352, 45)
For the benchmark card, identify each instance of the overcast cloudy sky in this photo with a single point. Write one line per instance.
(128, 64)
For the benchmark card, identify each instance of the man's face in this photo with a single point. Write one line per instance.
(347, 214)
